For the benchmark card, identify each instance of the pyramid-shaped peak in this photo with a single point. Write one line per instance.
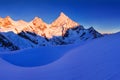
(8, 18)
(37, 19)
(63, 15)
(61, 18)
(65, 21)
(91, 28)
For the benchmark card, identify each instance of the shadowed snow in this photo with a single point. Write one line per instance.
(97, 60)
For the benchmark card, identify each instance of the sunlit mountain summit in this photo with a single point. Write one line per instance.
(15, 35)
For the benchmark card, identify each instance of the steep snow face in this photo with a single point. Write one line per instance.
(27, 39)
(37, 33)
(12, 41)
(96, 60)
(61, 25)
(34, 38)
(6, 22)
(64, 21)
(16, 40)
(37, 26)
(75, 35)
(20, 25)
(6, 44)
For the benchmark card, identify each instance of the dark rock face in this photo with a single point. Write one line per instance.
(7, 44)
(62, 31)
(71, 36)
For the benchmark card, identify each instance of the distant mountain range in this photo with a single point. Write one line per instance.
(16, 35)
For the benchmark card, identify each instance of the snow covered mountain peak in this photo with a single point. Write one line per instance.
(20, 34)
(8, 17)
(37, 18)
(38, 21)
(6, 22)
(64, 21)
(63, 15)
(91, 28)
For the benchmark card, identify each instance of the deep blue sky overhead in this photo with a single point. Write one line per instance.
(103, 15)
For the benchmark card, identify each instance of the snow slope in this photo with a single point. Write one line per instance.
(96, 60)
(18, 35)
(17, 40)
(38, 56)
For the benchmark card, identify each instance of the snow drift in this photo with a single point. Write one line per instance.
(35, 57)
(96, 60)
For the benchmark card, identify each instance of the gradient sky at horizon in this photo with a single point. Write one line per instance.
(103, 15)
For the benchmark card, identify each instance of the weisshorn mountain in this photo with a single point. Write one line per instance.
(15, 35)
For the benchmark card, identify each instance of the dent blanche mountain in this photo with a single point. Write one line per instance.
(15, 35)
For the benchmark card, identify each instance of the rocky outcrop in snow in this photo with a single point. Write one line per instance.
(16, 35)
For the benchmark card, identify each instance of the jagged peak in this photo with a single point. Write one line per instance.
(37, 18)
(64, 20)
(62, 17)
(91, 28)
(7, 17)
(62, 14)
(38, 21)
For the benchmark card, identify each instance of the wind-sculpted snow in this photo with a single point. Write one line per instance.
(36, 57)
(99, 59)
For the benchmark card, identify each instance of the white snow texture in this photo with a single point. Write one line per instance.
(98, 59)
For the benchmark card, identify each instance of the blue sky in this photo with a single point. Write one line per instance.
(103, 15)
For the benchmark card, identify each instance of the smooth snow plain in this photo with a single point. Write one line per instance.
(98, 59)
